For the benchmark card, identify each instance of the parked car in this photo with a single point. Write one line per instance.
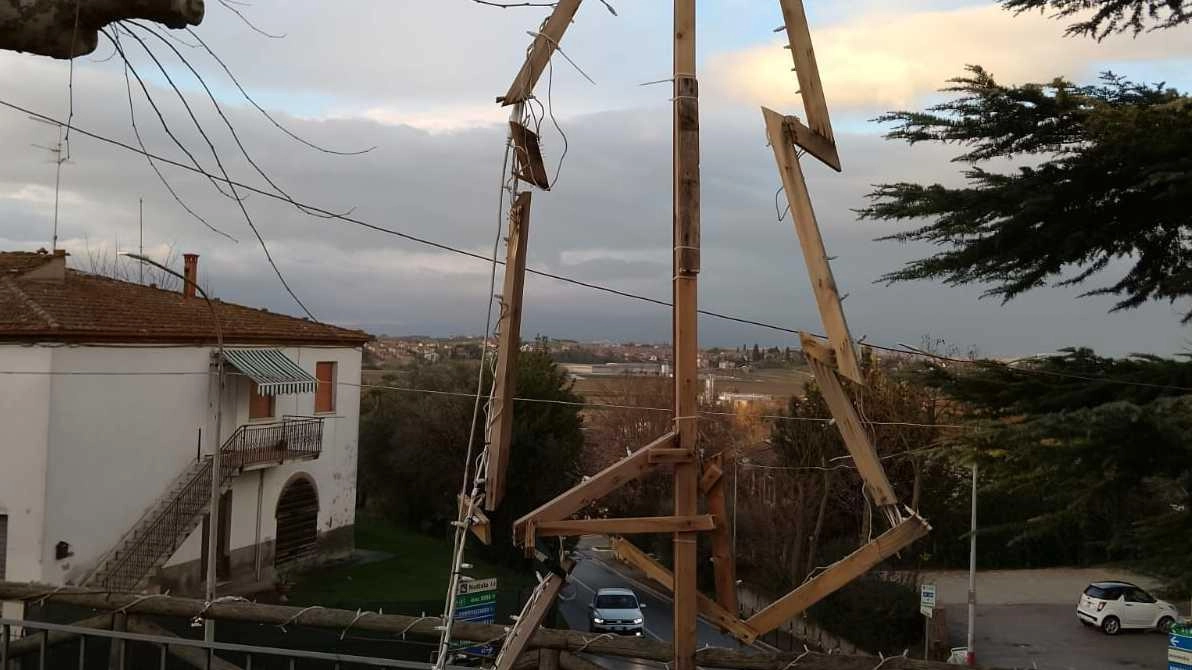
(1117, 606)
(616, 611)
(958, 656)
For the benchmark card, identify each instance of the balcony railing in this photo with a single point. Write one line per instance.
(270, 443)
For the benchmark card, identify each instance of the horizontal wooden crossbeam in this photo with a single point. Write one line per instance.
(838, 575)
(659, 456)
(591, 489)
(709, 609)
(628, 526)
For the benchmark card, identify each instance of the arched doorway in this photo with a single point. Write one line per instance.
(297, 522)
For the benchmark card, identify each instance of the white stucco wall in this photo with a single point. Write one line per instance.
(24, 426)
(125, 422)
(92, 447)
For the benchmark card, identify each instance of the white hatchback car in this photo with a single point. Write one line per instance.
(1117, 606)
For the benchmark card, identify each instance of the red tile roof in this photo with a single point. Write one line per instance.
(85, 307)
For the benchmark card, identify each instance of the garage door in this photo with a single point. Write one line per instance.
(297, 523)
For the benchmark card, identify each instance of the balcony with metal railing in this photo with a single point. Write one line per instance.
(265, 444)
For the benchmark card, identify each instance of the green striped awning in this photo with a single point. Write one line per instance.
(272, 370)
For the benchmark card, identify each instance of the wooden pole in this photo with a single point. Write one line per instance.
(686, 338)
(428, 628)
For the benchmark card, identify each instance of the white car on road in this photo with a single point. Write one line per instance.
(616, 611)
(1117, 606)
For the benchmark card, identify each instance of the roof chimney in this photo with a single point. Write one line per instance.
(53, 269)
(191, 265)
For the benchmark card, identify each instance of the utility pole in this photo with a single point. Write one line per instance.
(141, 240)
(971, 653)
(686, 260)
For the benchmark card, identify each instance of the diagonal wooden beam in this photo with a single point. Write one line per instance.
(500, 417)
(725, 619)
(529, 620)
(838, 574)
(591, 489)
(627, 526)
(856, 438)
(546, 41)
(810, 86)
(815, 256)
(724, 563)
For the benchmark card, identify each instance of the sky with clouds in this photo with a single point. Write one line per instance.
(417, 80)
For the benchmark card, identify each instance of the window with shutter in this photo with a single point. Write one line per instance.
(259, 406)
(325, 392)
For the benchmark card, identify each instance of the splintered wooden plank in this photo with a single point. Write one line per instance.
(724, 618)
(500, 418)
(591, 489)
(813, 348)
(815, 256)
(544, 46)
(817, 145)
(628, 526)
(528, 622)
(810, 86)
(856, 438)
(481, 526)
(527, 153)
(838, 575)
(724, 563)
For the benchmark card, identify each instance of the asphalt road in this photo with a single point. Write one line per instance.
(1049, 637)
(592, 574)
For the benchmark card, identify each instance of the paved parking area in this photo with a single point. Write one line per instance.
(1027, 619)
(1049, 637)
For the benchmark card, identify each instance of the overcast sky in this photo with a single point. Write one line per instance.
(417, 80)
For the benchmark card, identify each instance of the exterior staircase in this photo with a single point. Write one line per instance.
(156, 536)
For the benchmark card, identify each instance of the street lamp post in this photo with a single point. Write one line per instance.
(971, 652)
(212, 524)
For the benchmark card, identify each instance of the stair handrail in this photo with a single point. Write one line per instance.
(149, 509)
(200, 479)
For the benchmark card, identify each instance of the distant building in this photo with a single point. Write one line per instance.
(745, 399)
(108, 406)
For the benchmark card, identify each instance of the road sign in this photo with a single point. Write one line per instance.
(470, 599)
(476, 602)
(1179, 648)
(926, 599)
(477, 585)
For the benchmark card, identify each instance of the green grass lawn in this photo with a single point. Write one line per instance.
(413, 580)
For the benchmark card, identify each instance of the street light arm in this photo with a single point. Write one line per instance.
(216, 469)
(185, 281)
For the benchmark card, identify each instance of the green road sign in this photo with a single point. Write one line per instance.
(470, 599)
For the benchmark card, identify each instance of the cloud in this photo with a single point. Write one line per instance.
(884, 58)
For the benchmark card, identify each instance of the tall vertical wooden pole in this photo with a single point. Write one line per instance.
(686, 340)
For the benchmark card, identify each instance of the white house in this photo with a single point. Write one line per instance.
(108, 421)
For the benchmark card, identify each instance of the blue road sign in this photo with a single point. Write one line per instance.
(1179, 648)
(476, 612)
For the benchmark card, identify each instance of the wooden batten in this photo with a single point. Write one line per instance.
(815, 144)
(528, 622)
(628, 526)
(856, 438)
(544, 46)
(815, 255)
(528, 163)
(500, 418)
(661, 456)
(711, 476)
(591, 489)
(481, 526)
(838, 574)
(813, 347)
(811, 88)
(724, 618)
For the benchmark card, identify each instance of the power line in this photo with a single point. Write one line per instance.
(903, 350)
